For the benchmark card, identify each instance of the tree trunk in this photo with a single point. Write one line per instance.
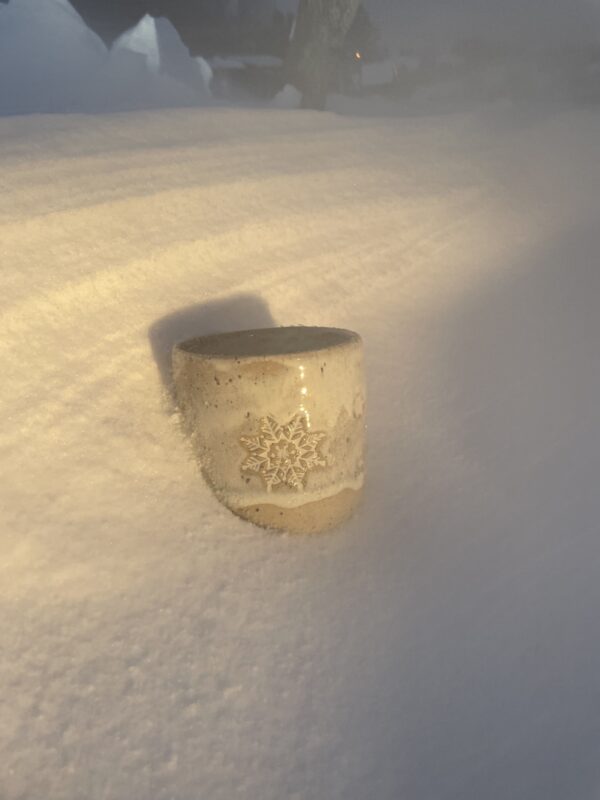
(321, 27)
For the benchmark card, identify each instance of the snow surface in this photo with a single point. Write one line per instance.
(445, 642)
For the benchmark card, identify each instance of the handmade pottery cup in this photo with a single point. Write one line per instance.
(276, 418)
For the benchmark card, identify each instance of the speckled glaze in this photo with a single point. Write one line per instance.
(276, 418)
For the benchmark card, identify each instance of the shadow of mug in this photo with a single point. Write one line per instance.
(237, 312)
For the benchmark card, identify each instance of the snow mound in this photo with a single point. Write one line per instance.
(289, 97)
(142, 39)
(48, 56)
(165, 53)
(51, 62)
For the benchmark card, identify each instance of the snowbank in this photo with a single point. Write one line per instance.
(165, 53)
(444, 643)
(51, 62)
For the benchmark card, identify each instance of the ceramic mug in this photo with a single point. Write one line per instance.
(276, 418)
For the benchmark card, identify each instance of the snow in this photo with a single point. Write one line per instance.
(51, 62)
(142, 39)
(165, 53)
(444, 643)
(289, 97)
(218, 62)
(260, 61)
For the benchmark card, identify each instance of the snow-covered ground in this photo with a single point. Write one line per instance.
(443, 644)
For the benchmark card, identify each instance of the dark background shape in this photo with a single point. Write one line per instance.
(236, 312)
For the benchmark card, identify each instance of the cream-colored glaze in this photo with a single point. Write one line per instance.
(256, 401)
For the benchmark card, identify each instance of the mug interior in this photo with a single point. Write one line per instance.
(268, 342)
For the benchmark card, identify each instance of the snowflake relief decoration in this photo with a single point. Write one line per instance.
(283, 454)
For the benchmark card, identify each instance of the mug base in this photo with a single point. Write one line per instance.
(313, 517)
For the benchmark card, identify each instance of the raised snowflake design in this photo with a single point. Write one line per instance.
(283, 454)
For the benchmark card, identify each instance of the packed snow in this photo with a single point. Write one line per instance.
(444, 643)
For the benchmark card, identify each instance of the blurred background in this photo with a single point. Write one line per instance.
(98, 55)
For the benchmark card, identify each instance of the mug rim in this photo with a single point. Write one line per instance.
(223, 345)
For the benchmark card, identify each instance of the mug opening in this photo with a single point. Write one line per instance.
(268, 342)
